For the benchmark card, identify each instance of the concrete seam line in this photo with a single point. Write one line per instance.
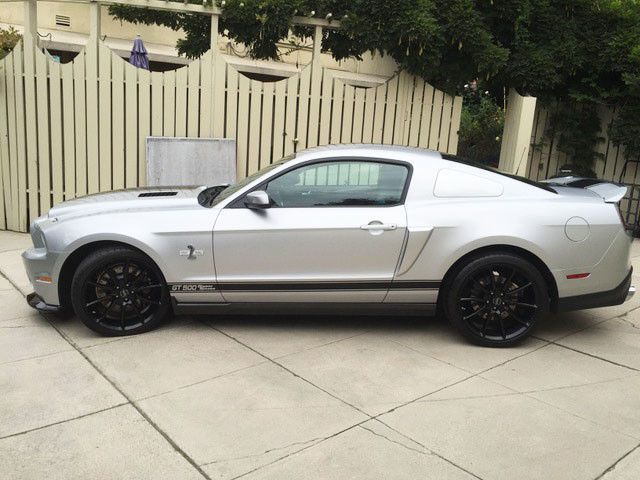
(107, 342)
(597, 357)
(182, 387)
(289, 371)
(42, 427)
(425, 450)
(457, 382)
(269, 450)
(14, 284)
(595, 324)
(322, 345)
(35, 357)
(588, 420)
(428, 450)
(615, 464)
(113, 384)
(302, 449)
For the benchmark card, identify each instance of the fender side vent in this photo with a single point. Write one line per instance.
(158, 194)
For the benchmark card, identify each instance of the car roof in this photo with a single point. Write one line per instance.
(414, 155)
(392, 152)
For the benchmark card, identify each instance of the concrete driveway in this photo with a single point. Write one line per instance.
(291, 397)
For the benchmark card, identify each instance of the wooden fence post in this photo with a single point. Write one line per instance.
(94, 22)
(30, 112)
(516, 136)
(92, 99)
(313, 133)
(214, 35)
(30, 18)
(217, 80)
(317, 45)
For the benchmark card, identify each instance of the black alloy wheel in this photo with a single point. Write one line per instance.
(119, 291)
(496, 300)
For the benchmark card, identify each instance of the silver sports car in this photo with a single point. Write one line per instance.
(365, 228)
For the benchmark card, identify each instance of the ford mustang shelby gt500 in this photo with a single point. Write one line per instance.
(368, 226)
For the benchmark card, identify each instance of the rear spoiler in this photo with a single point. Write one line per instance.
(609, 191)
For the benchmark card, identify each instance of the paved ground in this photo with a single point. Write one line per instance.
(291, 398)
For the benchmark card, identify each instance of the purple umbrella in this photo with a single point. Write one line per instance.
(138, 56)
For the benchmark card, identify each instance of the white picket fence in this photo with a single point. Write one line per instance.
(68, 130)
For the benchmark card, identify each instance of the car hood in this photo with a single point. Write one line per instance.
(150, 198)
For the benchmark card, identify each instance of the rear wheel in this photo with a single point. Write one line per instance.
(119, 291)
(496, 299)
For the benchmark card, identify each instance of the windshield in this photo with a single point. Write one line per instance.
(533, 183)
(214, 195)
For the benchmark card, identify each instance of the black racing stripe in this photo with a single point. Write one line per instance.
(411, 285)
(298, 286)
(289, 286)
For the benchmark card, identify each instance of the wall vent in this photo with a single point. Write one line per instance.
(63, 21)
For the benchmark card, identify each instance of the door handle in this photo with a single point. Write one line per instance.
(379, 226)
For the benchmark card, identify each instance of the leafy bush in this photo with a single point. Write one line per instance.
(9, 37)
(625, 129)
(481, 127)
(576, 129)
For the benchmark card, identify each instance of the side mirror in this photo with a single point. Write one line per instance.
(257, 200)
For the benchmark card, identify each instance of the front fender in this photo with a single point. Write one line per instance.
(160, 235)
(108, 237)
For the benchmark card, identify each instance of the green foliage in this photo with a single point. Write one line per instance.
(8, 39)
(481, 125)
(576, 129)
(625, 129)
(557, 49)
(580, 50)
(260, 24)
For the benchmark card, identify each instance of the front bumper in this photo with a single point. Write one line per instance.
(617, 296)
(34, 300)
(39, 262)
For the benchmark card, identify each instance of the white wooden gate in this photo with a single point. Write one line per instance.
(68, 130)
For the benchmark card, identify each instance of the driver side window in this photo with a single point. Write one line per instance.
(340, 183)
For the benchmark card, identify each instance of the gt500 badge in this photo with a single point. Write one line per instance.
(193, 287)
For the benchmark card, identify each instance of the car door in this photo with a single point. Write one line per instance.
(334, 231)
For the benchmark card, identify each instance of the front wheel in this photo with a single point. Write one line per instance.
(496, 299)
(119, 291)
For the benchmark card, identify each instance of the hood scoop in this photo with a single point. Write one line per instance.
(131, 199)
(158, 194)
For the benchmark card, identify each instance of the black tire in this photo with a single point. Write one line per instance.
(119, 291)
(495, 299)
